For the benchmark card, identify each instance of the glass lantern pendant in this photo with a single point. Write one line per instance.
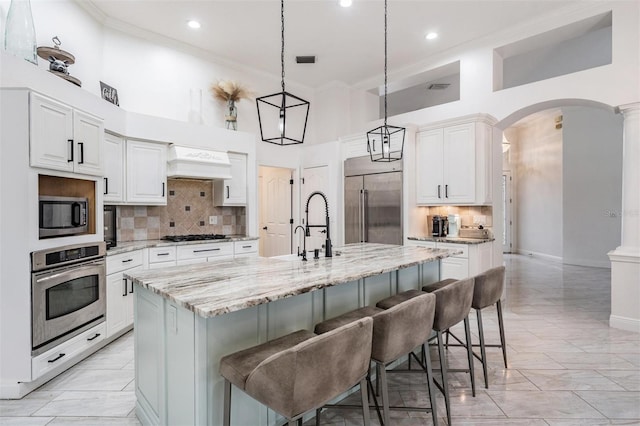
(385, 143)
(20, 33)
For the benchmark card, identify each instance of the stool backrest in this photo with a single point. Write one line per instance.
(453, 303)
(488, 288)
(315, 371)
(402, 328)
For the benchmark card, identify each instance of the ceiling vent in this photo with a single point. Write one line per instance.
(306, 59)
(438, 86)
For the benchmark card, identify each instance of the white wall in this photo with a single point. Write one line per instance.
(592, 172)
(537, 161)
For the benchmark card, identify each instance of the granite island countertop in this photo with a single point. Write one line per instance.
(454, 240)
(124, 247)
(215, 288)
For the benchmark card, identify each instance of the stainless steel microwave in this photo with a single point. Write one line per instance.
(60, 216)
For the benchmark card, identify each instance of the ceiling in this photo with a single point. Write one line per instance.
(348, 42)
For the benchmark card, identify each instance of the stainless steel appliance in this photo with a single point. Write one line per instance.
(68, 293)
(440, 226)
(61, 216)
(372, 201)
(110, 227)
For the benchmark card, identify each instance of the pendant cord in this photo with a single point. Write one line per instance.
(385, 63)
(282, 39)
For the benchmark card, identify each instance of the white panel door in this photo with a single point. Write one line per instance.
(429, 168)
(51, 139)
(275, 211)
(459, 154)
(146, 172)
(114, 169)
(88, 132)
(316, 179)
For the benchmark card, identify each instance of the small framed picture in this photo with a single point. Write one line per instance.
(109, 93)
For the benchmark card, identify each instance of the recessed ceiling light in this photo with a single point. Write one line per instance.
(193, 24)
(346, 3)
(431, 36)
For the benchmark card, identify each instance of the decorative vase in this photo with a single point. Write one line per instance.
(231, 115)
(20, 34)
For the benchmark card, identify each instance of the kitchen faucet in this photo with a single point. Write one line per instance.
(327, 245)
(304, 243)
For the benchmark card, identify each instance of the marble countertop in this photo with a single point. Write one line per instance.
(215, 288)
(454, 240)
(128, 246)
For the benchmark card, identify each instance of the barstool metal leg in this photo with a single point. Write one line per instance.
(467, 332)
(226, 421)
(365, 401)
(318, 411)
(483, 352)
(445, 381)
(385, 394)
(431, 388)
(502, 339)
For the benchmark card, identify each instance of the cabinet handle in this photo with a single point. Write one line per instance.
(94, 337)
(446, 191)
(131, 291)
(265, 228)
(70, 160)
(227, 191)
(439, 191)
(205, 250)
(56, 358)
(163, 189)
(162, 254)
(81, 146)
(246, 246)
(124, 287)
(127, 260)
(106, 186)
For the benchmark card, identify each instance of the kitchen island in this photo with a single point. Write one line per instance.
(188, 317)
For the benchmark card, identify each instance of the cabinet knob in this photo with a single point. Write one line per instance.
(264, 228)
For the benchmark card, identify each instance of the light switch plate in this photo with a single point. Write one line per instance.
(213, 220)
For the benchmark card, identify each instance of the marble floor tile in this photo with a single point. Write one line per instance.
(94, 421)
(628, 379)
(94, 404)
(91, 380)
(550, 380)
(614, 405)
(25, 421)
(555, 404)
(27, 405)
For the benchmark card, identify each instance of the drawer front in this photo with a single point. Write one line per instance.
(450, 246)
(195, 251)
(242, 247)
(64, 352)
(162, 254)
(454, 267)
(158, 265)
(427, 244)
(124, 261)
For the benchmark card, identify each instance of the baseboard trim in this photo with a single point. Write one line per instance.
(623, 323)
(589, 263)
(525, 252)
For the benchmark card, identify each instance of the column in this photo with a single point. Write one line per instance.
(625, 260)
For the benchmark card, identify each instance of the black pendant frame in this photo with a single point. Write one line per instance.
(386, 135)
(283, 102)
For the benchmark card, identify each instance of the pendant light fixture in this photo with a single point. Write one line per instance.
(282, 116)
(385, 143)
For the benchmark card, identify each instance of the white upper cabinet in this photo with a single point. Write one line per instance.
(146, 172)
(453, 165)
(114, 168)
(232, 192)
(63, 138)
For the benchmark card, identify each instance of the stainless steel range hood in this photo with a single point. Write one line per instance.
(197, 163)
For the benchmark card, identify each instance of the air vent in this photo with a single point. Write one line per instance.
(306, 59)
(438, 86)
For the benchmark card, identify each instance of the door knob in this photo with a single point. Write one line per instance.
(264, 227)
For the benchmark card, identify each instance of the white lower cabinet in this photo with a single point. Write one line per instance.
(245, 248)
(64, 353)
(207, 251)
(474, 259)
(120, 290)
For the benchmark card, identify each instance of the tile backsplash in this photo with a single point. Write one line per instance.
(467, 213)
(189, 205)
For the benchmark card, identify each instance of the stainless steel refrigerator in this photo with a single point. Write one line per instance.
(372, 201)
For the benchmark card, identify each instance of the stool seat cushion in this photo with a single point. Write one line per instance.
(453, 303)
(488, 288)
(311, 373)
(430, 288)
(339, 321)
(236, 367)
(392, 301)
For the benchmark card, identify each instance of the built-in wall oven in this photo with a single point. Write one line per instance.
(68, 293)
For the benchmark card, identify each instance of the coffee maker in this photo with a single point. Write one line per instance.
(440, 226)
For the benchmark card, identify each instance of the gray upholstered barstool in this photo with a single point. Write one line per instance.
(396, 332)
(302, 371)
(453, 303)
(487, 291)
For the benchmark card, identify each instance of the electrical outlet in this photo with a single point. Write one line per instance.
(213, 220)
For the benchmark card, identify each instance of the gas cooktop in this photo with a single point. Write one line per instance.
(194, 237)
